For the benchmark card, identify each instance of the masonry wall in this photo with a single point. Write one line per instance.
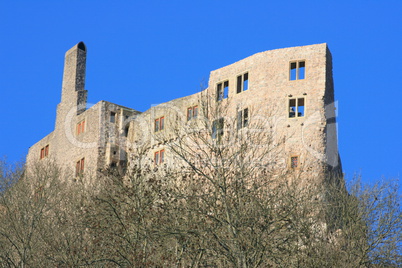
(312, 137)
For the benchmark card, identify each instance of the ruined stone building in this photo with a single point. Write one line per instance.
(288, 91)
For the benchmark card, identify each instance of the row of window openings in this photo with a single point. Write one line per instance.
(159, 158)
(159, 124)
(81, 127)
(296, 109)
(222, 89)
(297, 71)
(44, 152)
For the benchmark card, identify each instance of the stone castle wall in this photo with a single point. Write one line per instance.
(116, 135)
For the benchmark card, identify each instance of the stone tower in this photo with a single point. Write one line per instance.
(73, 88)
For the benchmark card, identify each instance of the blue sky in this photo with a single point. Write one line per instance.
(142, 53)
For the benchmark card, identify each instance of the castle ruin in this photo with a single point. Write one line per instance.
(289, 92)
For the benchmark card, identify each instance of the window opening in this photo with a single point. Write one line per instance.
(79, 167)
(44, 152)
(242, 82)
(217, 128)
(195, 111)
(294, 162)
(112, 117)
(162, 121)
(296, 107)
(189, 113)
(297, 70)
(192, 112)
(242, 118)
(159, 157)
(162, 156)
(126, 129)
(222, 91)
(81, 127)
(159, 124)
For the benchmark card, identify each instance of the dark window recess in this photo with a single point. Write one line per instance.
(242, 83)
(296, 107)
(297, 70)
(112, 117)
(242, 118)
(222, 91)
(126, 129)
(217, 128)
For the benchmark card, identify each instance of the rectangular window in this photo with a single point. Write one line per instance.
(222, 90)
(242, 118)
(242, 82)
(159, 124)
(195, 111)
(192, 112)
(297, 70)
(112, 117)
(294, 162)
(79, 167)
(126, 129)
(81, 127)
(44, 152)
(156, 158)
(159, 157)
(162, 123)
(189, 113)
(296, 107)
(217, 128)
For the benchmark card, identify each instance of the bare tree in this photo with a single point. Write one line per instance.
(367, 220)
(40, 218)
(235, 205)
(25, 204)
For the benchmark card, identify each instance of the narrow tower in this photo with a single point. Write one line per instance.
(73, 90)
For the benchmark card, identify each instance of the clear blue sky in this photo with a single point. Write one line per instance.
(147, 52)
